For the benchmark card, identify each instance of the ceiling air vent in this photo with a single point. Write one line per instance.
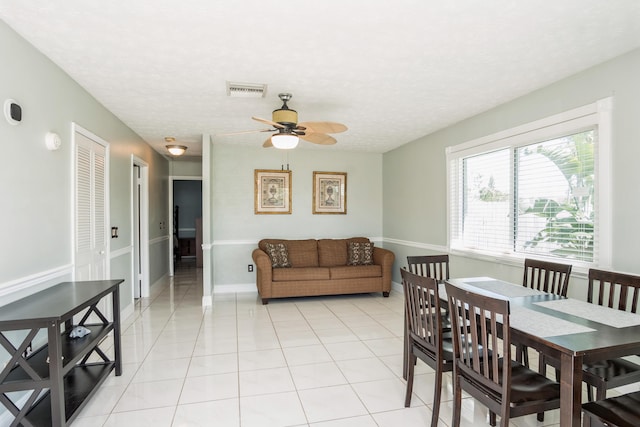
(246, 90)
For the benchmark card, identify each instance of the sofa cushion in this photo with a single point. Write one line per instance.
(302, 253)
(332, 252)
(355, 271)
(278, 254)
(300, 273)
(360, 253)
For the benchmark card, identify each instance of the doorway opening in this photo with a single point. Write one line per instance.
(186, 202)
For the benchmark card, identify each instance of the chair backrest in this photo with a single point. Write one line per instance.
(424, 319)
(614, 290)
(550, 277)
(481, 336)
(436, 266)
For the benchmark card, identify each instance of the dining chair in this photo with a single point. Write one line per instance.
(426, 342)
(613, 290)
(483, 368)
(619, 411)
(545, 276)
(435, 266)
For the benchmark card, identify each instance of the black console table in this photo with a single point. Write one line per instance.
(58, 378)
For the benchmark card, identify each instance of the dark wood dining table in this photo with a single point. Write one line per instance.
(570, 330)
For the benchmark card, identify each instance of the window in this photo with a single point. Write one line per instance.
(539, 190)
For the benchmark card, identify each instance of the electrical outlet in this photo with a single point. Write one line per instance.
(250, 268)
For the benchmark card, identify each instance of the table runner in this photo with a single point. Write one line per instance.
(543, 325)
(594, 312)
(499, 287)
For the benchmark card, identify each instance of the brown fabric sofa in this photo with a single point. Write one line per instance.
(319, 267)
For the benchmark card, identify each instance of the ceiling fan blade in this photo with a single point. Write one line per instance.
(324, 127)
(246, 131)
(267, 143)
(319, 138)
(269, 122)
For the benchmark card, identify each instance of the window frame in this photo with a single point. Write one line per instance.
(597, 115)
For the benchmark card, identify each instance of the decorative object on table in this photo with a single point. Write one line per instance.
(272, 191)
(79, 332)
(287, 130)
(329, 192)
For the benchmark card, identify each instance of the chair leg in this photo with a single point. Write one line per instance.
(492, 419)
(457, 401)
(407, 349)
(589, 393)
(410, 371)
(601, 392)
(542, 368)
(436, 397)
(504, 415)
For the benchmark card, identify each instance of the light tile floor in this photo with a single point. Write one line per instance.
(316, 362)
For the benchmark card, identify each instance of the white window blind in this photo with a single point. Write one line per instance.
(534, 190)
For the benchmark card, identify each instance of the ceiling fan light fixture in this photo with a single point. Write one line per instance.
(176, 150)
(284, 141)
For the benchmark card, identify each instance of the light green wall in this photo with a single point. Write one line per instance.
(35, 184)
(415, 174)
(235, 227)
(186, 167)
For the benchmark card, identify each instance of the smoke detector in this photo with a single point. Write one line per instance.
(246, 90)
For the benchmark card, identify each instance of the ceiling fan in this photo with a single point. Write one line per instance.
(287, 130)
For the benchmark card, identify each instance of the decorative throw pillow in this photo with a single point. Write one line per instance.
(278, 254)
(360, 253)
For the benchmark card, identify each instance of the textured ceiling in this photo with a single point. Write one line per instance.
(391, 71)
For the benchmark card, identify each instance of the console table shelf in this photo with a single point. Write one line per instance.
(60, 376)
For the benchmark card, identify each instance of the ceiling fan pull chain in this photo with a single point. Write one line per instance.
(285, 154)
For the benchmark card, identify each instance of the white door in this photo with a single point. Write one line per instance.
(90, 195)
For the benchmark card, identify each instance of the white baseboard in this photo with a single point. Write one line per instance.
(396, 286)
(157, 286)
(239, 287)
(129, 310)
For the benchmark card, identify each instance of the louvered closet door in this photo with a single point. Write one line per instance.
(90, 205)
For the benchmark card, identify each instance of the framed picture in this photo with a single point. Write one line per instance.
(329, 192)
(272, 191)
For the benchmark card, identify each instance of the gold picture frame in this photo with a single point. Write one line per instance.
(272, 191)
(330, 193)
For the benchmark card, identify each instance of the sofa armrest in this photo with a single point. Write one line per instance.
(263, 273)
(384, 258)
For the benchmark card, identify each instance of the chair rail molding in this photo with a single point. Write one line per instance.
(418, 245)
